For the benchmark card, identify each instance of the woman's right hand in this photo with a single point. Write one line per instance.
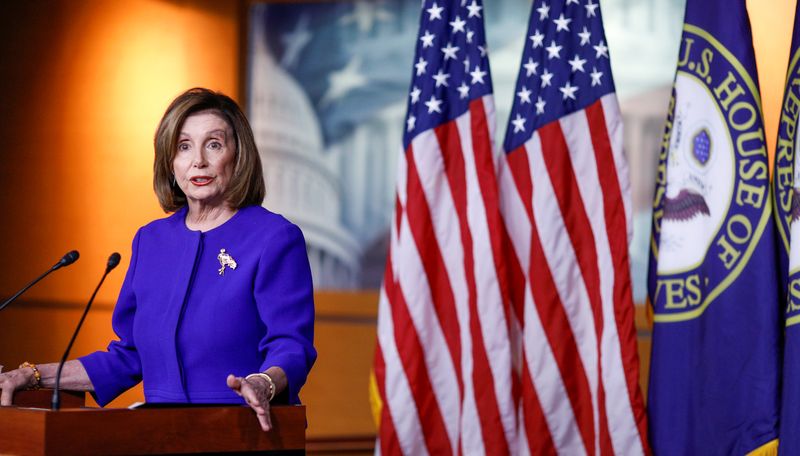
(13, 381)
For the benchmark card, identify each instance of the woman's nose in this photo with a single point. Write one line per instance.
(199, 159)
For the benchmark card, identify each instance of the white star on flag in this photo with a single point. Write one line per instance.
(458, 24)
(596, 75)
(435, 12)
(410, 123)
(585, 36)
(421, 65)
(477, 75)
(601, 50)
(434, 105)
(537, 39)
(544, 11)
(568, 91)
(415, 94)
(463, 90)
(590, 9)
(577, 63)
(441, 78)
(540, 105)
(450, 51)
(553, 50)
(524, 95)
(530, 67)
(474, 9)
(427, 39)
(519, 123)
(546, 77)
(562, 23)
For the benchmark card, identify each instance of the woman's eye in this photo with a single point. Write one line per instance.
(183, 146)
(215, 145)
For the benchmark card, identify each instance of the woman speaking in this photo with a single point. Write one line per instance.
(217, 304)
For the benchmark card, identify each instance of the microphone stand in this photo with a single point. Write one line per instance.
(113, 261)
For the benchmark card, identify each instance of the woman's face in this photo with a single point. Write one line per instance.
(204, 162)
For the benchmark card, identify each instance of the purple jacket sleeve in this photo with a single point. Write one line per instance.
(114, 371)
(285, 298)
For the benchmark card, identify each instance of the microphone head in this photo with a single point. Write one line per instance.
(69, 258)
(113, 261)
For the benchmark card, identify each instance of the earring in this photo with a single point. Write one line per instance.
(174, 183)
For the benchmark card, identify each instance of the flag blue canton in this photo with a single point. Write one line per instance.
(565, 66)
(451, 66)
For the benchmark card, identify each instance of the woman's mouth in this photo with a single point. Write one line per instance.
(201, 180)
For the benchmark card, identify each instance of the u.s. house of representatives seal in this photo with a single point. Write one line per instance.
(787, 186)
(712, 186)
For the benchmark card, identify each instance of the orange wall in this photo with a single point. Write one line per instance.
(83, 86)
(772, 24)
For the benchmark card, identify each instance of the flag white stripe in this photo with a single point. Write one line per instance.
(402, 179)
(399, 400)
(433, 178)
(489, 298)
(522, 448)
(622, 426)
(614, 128)
(548, 384)
(562, 262)
(470, 426)
(514, 214)
(416, 291)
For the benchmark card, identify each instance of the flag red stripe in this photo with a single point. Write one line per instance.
(390, 445)
(540, 442)
(411, 355)
(617, 240)
(518, 164)
(491, 426)
(421, 224)
(551, 312)
(561, 340)
(509, 273)
(487, 179)
(565, 185)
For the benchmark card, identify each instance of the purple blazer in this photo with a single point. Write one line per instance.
(183, 326)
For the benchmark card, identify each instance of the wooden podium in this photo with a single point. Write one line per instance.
(227, 429)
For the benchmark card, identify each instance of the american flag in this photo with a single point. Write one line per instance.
(565, 199)
(443, 364)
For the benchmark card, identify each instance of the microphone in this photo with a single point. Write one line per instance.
(113, 261)
(69, 258)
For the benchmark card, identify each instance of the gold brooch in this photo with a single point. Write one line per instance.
(225, 260)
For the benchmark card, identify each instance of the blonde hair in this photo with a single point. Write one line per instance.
(247, 184)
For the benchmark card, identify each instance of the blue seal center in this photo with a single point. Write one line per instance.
(701, 147)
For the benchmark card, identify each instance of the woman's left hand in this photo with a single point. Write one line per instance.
(256, 392)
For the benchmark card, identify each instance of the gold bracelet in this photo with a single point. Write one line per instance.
(269, 380)
(37, 376)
